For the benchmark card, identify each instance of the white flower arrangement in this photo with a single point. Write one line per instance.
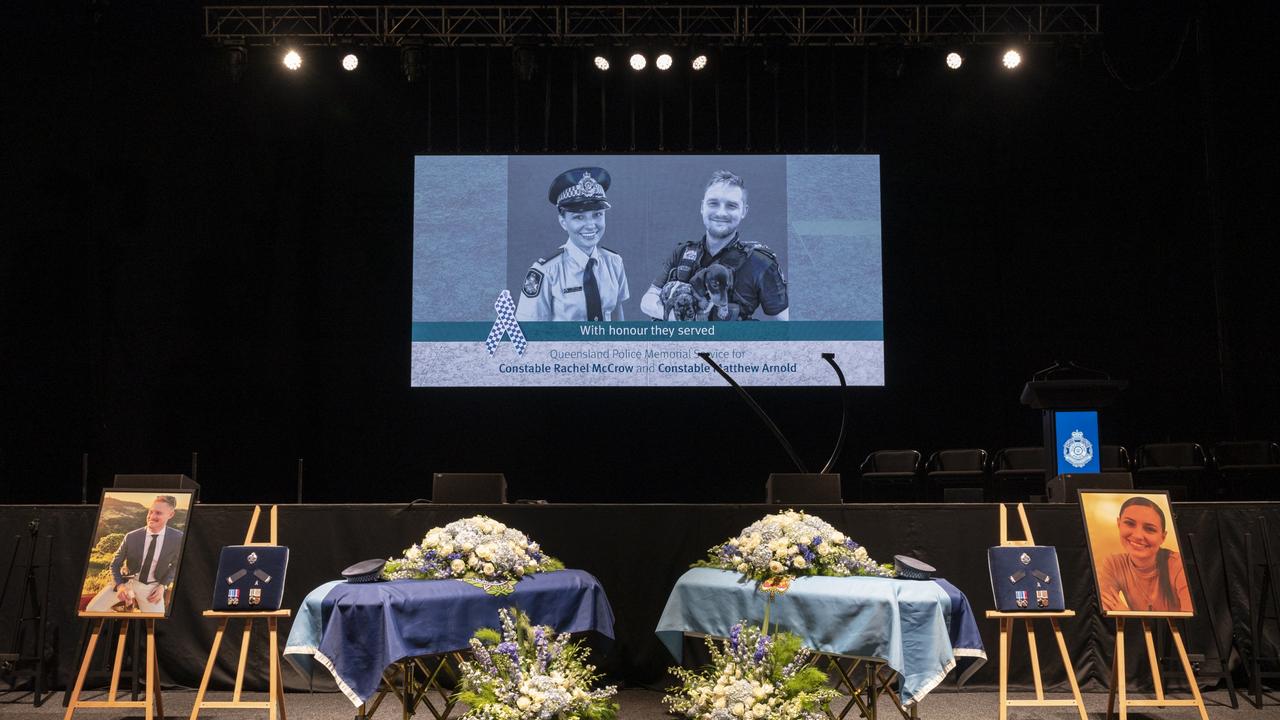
(477, 550)
(752, 676)
(529, 673)
(792, 543)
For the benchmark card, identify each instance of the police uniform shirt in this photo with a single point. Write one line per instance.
(757, 279)
(553, 286)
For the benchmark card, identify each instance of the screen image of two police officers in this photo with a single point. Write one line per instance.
(581, 280)
(719, 276)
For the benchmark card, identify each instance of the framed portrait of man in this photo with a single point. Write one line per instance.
(136, 552)
(1133, 544)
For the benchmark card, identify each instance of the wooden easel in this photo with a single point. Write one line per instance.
(1007, 620)
(274, 705)
(152, 702)
(1118, 671)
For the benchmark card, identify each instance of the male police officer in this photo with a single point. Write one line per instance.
(150, 554)
(580, 281)
(705, 266)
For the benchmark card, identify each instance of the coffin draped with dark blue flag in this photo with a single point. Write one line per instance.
(355, 631)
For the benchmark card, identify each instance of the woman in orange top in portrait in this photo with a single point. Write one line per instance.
(1145, 576)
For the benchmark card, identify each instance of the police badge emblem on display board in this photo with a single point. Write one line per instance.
(251, 577)
(1025, 577)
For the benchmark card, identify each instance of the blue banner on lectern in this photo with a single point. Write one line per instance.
(1079, 448)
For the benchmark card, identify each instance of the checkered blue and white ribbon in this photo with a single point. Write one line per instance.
(505, 325)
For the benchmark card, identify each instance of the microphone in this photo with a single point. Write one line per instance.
(830, 357)
(786, 445)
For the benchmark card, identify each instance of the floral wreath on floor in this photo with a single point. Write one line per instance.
(752, 675)
(790, 544)
(476, 550)
(529, 673)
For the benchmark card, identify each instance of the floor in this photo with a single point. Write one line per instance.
(642, 704)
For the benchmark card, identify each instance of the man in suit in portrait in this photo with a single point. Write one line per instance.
(144, 565)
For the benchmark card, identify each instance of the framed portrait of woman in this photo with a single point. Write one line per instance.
(1133, 544)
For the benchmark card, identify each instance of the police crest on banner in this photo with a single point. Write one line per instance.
(1077, 450)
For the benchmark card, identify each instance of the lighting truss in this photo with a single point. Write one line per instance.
(440, 25)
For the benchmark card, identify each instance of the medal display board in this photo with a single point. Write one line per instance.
(1026, 559)
(250, 584)
(250, 577)
(1026, 578)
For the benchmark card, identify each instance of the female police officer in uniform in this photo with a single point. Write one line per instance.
(581, 280)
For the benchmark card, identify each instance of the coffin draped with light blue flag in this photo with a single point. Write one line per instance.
(922, 629)
(355, 631)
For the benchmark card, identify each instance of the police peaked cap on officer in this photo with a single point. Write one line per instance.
(580, 189)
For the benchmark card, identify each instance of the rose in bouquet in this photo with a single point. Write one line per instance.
(752, 676)
(477, 550)
(529, 673)
(792, 543)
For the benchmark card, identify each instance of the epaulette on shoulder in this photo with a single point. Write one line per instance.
(549, 258)
(760, 248)
(610, 250)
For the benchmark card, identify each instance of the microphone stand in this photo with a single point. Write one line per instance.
(706, 356)
(844, 412)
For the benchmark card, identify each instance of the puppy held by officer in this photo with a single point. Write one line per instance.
(581, 280)
(719, 276)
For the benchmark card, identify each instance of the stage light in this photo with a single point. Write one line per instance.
(638, 61)
(524, 63)
(292, 60)
(699, 62)
(663, 62)
(1011, 59)
(411, 62)
(954, 60)
(601, 62)
(237, 61)
(350, 62)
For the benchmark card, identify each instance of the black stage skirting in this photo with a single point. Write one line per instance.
(638, 552)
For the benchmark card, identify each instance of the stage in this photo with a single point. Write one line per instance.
(638, 552)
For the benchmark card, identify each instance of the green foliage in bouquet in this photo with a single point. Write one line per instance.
(752, 676)
(527, 672)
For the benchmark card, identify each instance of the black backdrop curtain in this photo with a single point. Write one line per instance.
(638, 552)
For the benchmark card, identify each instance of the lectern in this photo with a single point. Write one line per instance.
(1070, 405)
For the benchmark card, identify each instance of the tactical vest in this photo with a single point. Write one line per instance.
(733, 256)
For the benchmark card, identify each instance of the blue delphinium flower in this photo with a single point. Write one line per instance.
(762, 646)
(540, 643)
